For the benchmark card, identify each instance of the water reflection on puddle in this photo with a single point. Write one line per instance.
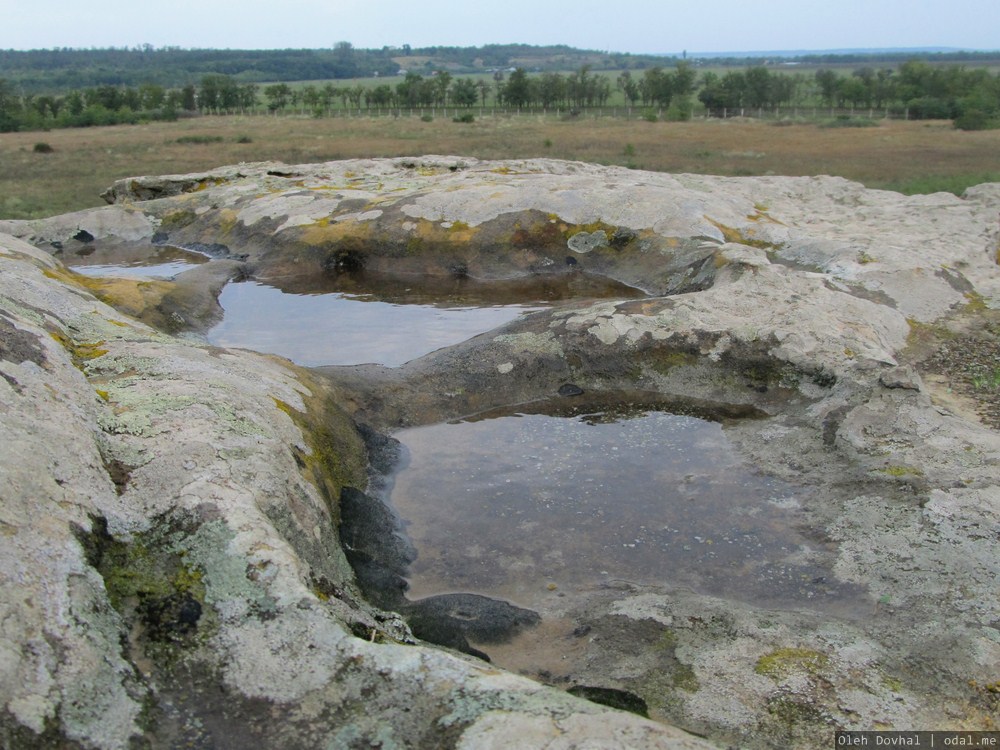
(357, 320)
(518, 504)
(144, 262)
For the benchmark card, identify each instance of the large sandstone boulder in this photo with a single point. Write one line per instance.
(172, 568)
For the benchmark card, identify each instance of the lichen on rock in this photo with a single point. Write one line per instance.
(173, 566)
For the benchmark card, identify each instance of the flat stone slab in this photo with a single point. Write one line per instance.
(170, 509)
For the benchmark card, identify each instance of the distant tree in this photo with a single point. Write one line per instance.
(248, 96)
(883, 88)
(629, 87)
(278, 96)
(152, 96)
(210, 92)
(189, 100)
(464, 92)
(711, 91)
(74, 103)
(684, 79)
(380, 96)
(733, 87)
(855, 91)
(551, 89)
(758, 87)
(441, 82)
(10, 106)
(408, 90)
(656, 87)
(828, 82)
(311, 97)
(517, 91)
(327, 95)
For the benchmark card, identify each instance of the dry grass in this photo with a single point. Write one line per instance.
(910, 156)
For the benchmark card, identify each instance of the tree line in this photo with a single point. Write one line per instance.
(60, 70)
(971, 97)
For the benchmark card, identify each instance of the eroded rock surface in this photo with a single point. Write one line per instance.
(172, 567)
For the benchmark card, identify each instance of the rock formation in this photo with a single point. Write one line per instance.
(171, 567)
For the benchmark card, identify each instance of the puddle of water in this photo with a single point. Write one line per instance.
(350, 320)
(145, 262)
(518, 505)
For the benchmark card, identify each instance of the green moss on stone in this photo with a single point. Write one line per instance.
(177, 219)
(336, 457)
(785, 661)
(901, 471)
(665, 360)
(684, 678)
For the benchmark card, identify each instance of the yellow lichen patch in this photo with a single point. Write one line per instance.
(901, 471)
(79, 353)
(324, 232)
(130, 296)
(460, 232)
(87, 352)
(785, 661)
(976, 303)
(731, 234)
(208, 182)
(760, 214)
(430, 232)
(227, 219)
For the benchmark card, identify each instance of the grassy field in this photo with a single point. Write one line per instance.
(906, 156)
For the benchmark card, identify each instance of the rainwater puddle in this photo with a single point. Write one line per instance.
(364, 319)
(519, 505)
(146, 262)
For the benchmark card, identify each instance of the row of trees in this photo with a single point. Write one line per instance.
(48, 71)
(516, 88)
(972, 97)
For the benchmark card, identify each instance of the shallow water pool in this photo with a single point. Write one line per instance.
(520, 504)
(352, 320)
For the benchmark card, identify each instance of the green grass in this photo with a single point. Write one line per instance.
(939, 183)
(910, 157)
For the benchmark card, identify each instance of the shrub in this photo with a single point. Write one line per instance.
(428, 118)
(244, 139)
(846, 121)
(43, 148)
(975, 119)
(200, 139)
(931, 108)
(467, 117)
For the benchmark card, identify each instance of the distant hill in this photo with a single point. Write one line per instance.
(847, 52)
(61, 70)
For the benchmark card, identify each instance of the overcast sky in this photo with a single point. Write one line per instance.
(638, 26)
